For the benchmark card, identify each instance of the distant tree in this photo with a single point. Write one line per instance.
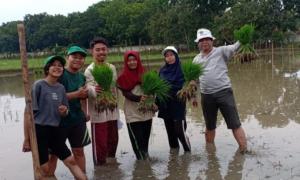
(293, 6)
(133, 22)
(270, 18)
(44, 31)
(207, 10)
(82, 27)
(173, 24)
(9, 41)
(124, 21)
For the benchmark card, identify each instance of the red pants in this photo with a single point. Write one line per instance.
(104, 141)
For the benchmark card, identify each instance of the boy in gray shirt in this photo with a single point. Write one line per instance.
(215, 87)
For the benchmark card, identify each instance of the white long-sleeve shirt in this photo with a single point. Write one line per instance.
(215, 77)
(106, 115)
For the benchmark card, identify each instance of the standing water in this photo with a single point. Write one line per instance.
(267, 96)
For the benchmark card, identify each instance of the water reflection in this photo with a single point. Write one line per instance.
(273, 99)
(11, 109)
(109, 171)
(235, 167)
(177, 167)
(143, 170)
(213, 170)
(12, 85)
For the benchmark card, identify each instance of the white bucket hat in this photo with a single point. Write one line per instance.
(203, 33)
(169, 48)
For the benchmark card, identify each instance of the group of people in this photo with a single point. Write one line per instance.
(64, 100)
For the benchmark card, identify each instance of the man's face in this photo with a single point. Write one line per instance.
(75, 61)
(99, 52)
(205, 44)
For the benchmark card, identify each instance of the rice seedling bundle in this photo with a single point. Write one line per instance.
(103, 75)
(153, 86)
(191, 72)
(244, 35)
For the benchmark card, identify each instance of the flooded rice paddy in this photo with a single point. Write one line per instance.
(267, 96)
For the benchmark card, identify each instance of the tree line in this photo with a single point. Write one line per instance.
(139, 22)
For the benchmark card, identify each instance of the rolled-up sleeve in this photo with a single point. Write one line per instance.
(228, 51)
(35, 96)
(90, 82)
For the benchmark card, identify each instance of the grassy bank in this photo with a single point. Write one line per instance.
(13, 65)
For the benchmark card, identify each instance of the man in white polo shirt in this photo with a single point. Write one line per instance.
(215, 87)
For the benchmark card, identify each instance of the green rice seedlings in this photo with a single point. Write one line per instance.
(191, 72)
(244, 35)
(103, 75)
(153, 86)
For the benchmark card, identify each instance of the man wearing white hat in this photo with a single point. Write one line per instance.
(215, 87)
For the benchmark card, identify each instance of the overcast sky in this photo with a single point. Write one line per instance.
(12, 10)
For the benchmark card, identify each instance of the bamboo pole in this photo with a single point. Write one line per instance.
(28, 114)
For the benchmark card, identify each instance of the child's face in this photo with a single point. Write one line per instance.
(170, 57)
(56, 69)
(132, 62)
(75, 61)
(99, 52)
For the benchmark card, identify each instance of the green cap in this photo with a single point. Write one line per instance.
(76, 49)
(55, 57)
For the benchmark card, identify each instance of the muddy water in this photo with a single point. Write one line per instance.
(268, 101)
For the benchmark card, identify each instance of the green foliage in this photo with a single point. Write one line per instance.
(191, 71)
(268, 16)
(9, 41)
(245, 34)
(82, 27)
(45, 31)
(103, 75)
(135, 22)
(153, 85)
(246, 52)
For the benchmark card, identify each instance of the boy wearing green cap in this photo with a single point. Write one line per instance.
(75, 123)
(50, 107)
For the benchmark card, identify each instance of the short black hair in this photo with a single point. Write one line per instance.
(97, 40)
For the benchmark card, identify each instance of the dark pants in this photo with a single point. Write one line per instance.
(176, 130)
(52, 139)
(139, 134)
(223, 100)
(104, 140)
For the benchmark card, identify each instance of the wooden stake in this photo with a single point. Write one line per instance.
(272, 54)
(28, 114)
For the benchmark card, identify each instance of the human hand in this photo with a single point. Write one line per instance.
(155, 107)
(26, 146)
(194, 102)
(114, 90)
(143, 98)
(82, 92)
(193, 82)
(63, 110)
(98, 89)
(87, 117)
